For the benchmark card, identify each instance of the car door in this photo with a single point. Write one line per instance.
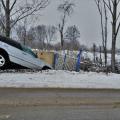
(16, 54)
(31, 58)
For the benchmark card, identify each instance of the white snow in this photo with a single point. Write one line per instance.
(87, 54)
(60, 79)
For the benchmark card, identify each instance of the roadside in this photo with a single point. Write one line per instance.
(59, 97)
(59, 79)
(59, 104)
(59, 113)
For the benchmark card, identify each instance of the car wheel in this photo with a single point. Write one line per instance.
(3, 61)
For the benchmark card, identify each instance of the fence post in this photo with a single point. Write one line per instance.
(78, 61)
(64, 62)
(56, 56)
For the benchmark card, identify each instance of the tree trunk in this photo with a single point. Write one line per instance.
(62, 39)
(113, 54)
(100, 56)
(105, 57)
(7, 15)
(94, 53)
(24, 41)
(114, 35)
(106, 34)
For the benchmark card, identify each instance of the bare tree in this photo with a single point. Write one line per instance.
(40, 35)
(100, 59)
(14, 12)
(50, 34)
(104, 23)
(67, 9)
(30, 38)
(94, 53)
(22, 32)
(1, 19)
(112, 6)
(72, 34)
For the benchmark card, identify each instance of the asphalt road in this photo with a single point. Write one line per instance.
(59, 104)
(59, 113)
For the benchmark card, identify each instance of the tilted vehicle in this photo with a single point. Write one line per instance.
(13, 52)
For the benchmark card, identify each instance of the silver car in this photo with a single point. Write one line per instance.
(13, 52)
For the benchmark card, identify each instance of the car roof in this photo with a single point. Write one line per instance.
(10, 42)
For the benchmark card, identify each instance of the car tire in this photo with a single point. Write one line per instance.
(3, 61)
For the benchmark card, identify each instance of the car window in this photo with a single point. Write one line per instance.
(29, 51)
(17, 45)
(10, 42)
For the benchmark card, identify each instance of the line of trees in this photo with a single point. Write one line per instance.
(12, 12)
(111, 7)
(66, 9)
(42, 36)
(14, 15)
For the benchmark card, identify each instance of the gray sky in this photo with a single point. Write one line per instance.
(85, 17)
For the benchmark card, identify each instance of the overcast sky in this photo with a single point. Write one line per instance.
(85, 17)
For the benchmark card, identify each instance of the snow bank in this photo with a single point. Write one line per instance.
(60, 79)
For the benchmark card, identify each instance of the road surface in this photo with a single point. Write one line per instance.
(59, 104)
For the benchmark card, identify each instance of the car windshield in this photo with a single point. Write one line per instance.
(29, 51)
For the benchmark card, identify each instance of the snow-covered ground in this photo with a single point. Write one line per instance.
(60, 79)
(87, 54)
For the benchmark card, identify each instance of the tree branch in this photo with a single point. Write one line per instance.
(2, 24)
(28, 10)
(118, 17)
(3, 4)
(13, 5)
(118, 1)
(108, 6)
(117, 29)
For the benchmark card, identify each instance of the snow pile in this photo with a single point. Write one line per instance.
(60, 79)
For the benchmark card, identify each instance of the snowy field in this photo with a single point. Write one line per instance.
(60, 79)
(89, 55)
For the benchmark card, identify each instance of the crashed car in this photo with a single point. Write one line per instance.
(13, 52)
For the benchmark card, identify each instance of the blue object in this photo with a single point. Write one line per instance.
(65, 58)
(64, 62)
(56, 56)
(78, 61)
